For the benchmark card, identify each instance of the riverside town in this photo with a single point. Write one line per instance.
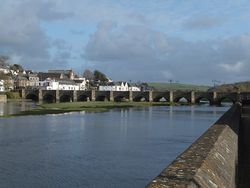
(15, 77)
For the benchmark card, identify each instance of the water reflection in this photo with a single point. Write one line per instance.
(13, 107)
(118, 148)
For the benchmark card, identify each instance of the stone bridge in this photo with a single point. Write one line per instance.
(214, 98)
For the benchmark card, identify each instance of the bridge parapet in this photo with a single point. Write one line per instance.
(209, 162)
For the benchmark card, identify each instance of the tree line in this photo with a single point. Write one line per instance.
(5, 62)
(95, 76)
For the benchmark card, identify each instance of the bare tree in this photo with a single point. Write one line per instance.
(99, 76)
(88, 74)
(4, 60)
(16, 67)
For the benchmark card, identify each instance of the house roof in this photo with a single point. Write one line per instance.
(44, 75)
(32, 75)
(5, 77)
(59, 71)
(133, 85)
(67, 82)
(21, 78)
(65, 73)
(4, 66)
(78, 81)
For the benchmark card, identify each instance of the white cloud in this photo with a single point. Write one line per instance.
(21, 33)
(203, 22)
(111, 42)
(154, 56)
(167, 74)
(232, 68)
(141, 41)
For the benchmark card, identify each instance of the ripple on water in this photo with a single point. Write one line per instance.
(118, 148)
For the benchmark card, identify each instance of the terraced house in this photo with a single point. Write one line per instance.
(118, 86)
(61, 80)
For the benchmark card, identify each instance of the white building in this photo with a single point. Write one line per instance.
(60, 80)
(4, 70)
(118, 86)
(134, 88)
(68, 85)
(81, 82)
(2, 86)
(33, 80)
(51, 84)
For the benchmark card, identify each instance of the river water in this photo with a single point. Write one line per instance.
(118, 148)
(14, 107)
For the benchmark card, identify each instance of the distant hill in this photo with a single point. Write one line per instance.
(236, 87)
(177, 86)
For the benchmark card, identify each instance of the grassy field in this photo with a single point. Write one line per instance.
(13, 95)
(236, 87)
(178, 86)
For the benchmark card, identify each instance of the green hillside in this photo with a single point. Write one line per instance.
(177, 86)
(236, 87)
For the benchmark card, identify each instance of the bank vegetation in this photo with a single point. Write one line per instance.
(59, 108)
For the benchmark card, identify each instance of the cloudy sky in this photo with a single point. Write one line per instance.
(190, 41)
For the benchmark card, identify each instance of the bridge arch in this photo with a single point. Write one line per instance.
(159, 96)
(65, 98)
(182, 99)
(101, 98)
(49, 98)
(226, 100)
(140, 99)
(102, 95)
(160, 99)
(82, 98)
(203, 100)
(179, 96)
(32, 96)
(120, 98)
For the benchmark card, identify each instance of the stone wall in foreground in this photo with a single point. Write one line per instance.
(211, 161)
